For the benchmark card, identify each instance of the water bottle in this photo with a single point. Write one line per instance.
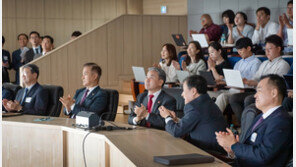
(223, 39)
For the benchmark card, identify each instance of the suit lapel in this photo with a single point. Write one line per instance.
(32, 90)
(157, 102)
(90, 96)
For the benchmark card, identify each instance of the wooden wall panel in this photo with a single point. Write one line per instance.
(147, 41)
(30, 9)
(135, 6)
(8, 9)
(56, 9)
(9, 31)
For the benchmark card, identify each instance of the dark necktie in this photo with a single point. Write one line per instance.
(149, 107)
(258, 123)
(24, 97)
(84, 96)
(36, 50)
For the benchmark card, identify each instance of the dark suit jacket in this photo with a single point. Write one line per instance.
(5, 59)
(202, 118)
(273, 144)
(39, 100)
(155, 120)
(6, 94)
(95, 102)
(16, 63)
(29, 56)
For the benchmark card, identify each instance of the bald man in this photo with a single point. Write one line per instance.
(212, 31)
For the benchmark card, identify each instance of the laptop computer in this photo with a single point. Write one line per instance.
(290, 36)
(139, 74)
(208, 76)
(201, 38)
(179, 40)
(233, 78)
(289, 81)
(182, 75)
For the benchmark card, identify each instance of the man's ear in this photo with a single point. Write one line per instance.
(274, 93)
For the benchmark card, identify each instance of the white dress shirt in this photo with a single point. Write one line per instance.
(260, 35)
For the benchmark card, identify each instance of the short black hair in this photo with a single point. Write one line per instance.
(243, 43)
(290, 2)
(276, 40)
(94, 68)
(244, 15)
(76, 34)
(3, 40)
(198, 82)
(230, 14)
(33, 68)
(48, 37)
(22, 34)
(34, 32)
(265, 9)
(278, 82)
(217, 46)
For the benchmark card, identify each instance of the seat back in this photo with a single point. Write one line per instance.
(12, 87)
(54, 105)
(288, 59)
(112, 104)
(233, 60)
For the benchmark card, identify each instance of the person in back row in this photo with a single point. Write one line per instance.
(36, 47)
(33, 99)
(47, 46)
(146, 111)
(91, 98)
(202, 118)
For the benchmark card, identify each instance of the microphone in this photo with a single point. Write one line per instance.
(109, 128)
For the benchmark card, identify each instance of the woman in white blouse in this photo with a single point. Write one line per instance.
(195, 61)
(242, 29)
(169, 63)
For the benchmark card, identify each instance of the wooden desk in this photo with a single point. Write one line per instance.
(56, 143)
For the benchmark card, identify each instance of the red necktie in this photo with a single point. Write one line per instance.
(149, 107)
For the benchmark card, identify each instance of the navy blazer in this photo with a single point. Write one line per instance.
(37, 100)
(273, 144)
(16, 63)
(29, 56)
(95, 102)
(155, 120)
(202, 118)
(6, 94)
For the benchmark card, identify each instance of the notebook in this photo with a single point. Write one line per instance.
(183, 159)
(208, 76)
(182, 75)
(179, 40)
(139, 74)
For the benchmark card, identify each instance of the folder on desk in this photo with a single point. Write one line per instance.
(183, 159)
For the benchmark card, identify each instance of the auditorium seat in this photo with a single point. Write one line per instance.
(12, 87)
(233, 60)
(112, 104)
(54, 105)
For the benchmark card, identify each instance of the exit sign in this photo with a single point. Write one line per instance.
(163, 9)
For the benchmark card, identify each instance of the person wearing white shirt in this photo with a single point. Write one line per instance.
(264, 26)
(47, 46)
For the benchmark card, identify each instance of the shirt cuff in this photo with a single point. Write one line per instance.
(147, 117)
(134, 121)
(72, 107)
(168, 119)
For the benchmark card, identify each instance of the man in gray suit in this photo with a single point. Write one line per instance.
(36, 47)
(146, 110)
(202, 117)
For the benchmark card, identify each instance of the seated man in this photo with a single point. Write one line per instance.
(91, 98)
(269, 139)
(47, 46)
(212, 31)
(6, 94)
(146, 107)
(274, 65)
(202, 118)
(247, 66)
(33, 99)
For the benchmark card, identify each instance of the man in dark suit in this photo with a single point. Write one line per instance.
(202, 117)
(32, 99)
(91, 98)
(146, 111)
(36, 47)
(19, 54)
(268, 141)
(6, 63)
(6, 94)
(47, 46)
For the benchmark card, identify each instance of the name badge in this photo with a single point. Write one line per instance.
(5, 58)
(253, 137)
(28, 99)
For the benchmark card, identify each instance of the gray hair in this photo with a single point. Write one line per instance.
(160, 72)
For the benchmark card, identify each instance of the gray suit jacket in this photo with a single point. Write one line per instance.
(155, 120)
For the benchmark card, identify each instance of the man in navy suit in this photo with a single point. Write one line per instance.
(36, 47)
(32, 99)
(202, 117)
(146, 107)
(268, 141)
(91, 98)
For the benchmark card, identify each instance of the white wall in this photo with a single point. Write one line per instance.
(215, 8)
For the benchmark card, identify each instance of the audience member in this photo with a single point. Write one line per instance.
(195, 61)
(286, 23)
(228, 20)
(146, 111)
(274, 65)
(6, 63)
(241, 30)
(247, 66)
(269, 140)
(36, 48)
(33, 99)
(75, 34)
(91, 98)
(202, 118)
(264, 26)
(18, 55)
(47, 46)
(212, 31)
(169, 63)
